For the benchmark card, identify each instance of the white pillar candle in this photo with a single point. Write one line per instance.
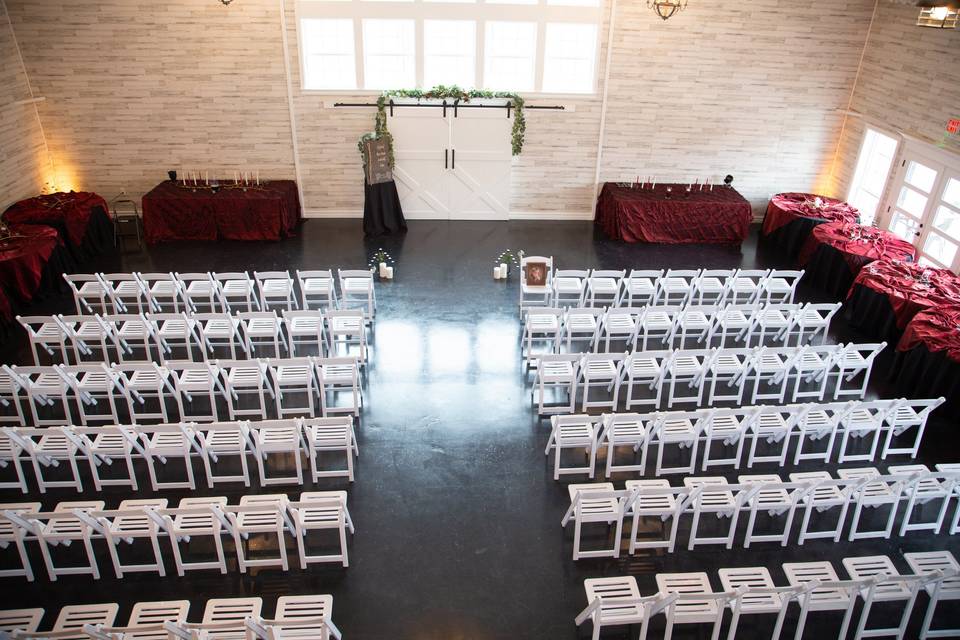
(496, 273)
(389, 273)
(258, 177)
(383, 269)
(654, 184)
(504, 270)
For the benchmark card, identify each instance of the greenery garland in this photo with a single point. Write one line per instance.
(443, 92)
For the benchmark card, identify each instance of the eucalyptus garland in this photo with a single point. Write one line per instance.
(443, 92)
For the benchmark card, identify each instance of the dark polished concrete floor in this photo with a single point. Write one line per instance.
(457, 515)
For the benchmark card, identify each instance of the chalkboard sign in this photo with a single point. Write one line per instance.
(378, 161)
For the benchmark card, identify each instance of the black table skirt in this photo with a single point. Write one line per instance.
(97, 239)
(789, 238)
(828, 270)
(870, 312)
(921, 373)
(382, 214)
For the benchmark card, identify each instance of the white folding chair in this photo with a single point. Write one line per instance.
(600, 370)
(595, 503)
(655, 328)
(246, 379)
(883, 583)
(618, 324)
(532, 295)
(11, 412)
(44, 332)
(731, 322)
(62, 527)
(88, 333)
(357, 291)
(769, 321)
(262, 330)
(746, 286)
(852, 361)
(921, 489)
(728, 369)
(575, 432)
(579, 325)
(769, 372)
(192, 519)
(810, 369)
(102, 446)
(14, 621)
(146, 622)
(696, 601)
(681, 429)
(824, 592)
(346, 329)
(162, 442)
(558, 373)
(200, 289)
(325, 436)
(47, 394)
(11, 533)
(780, 286)
(127, 291)
(72, 620)
(710, 494)
(569, 287)
(87, 289)
(822, 494)
(144, 383)
(127, 523)
(541, 332)
(305, 330)
(226, 618)
(661, 503)
(94, 386)
(644, 369)
(758, 596)
(693, 321)
(909, 416)
(811, 321)
(640, 287)
(624, 430)
(687, 368)
(872, 492)
(321, 511)
(235, 289)
(768, 494)
(48, 447)
(219, 330)
(275, 288)
(772, 425)
(603, 287)
(317, 288)
(177, 335)
(337, 377)
(278, 440)
(225, 440)
(728, 428)
(676, 287)
(298, 616)
(947, 589)
(163, 289)
(133, 336)
(617, 601)
(711, 286)
(293, 378)
(816, 422)
(192, 380)
(863, 423)
(263, 514)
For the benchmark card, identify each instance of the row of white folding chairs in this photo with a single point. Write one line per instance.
(293, 385)
(166, 337)
(852, 491)
(151, 520)
(718, 437)
(273, 444)
(594, 329)
(612, 287)
(309, 616)
(703, 376)
(228, 291)
(689, 598)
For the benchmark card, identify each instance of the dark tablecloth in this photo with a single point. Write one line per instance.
(382, 213)
(721, 216)
(82, 218)
(791, 217)
(30, 265)
(270, 211)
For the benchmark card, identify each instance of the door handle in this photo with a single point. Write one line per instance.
(446, 164)
(453, 158)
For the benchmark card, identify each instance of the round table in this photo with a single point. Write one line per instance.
(887, 294)
(82, 218)
(791, 217)
(927, 362)
(25, 259)
(835, 253)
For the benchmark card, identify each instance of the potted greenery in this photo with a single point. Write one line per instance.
(502, 262)
(381, 262)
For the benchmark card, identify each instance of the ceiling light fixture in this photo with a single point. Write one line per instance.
(666, 8)
(939, 14)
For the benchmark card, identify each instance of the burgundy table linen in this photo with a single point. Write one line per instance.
(22, 262)
(937, 329)
(269, 211)
(787, 207)
(720, 216)
(909, 287)
(926, 363)
(859, 245)
(70, 212)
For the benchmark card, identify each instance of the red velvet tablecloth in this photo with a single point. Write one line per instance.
(936, 328)
(647, 215)
(269, 211)
(68, 211)
(786, 207)
(859, 245)
(909, 287)
(22, 260)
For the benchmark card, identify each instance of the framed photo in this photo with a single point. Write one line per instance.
(536, 274)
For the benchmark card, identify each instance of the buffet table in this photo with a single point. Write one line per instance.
(837, 251)
(82, 219)
(927, 362)
(268, 211)
(32, 262)
(791, 218)
(668, 214)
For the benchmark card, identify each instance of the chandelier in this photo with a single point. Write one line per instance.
(939, 14)
(666, 8)
(226, 3)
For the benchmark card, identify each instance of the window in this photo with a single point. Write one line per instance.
(526, 46)
(870, 178)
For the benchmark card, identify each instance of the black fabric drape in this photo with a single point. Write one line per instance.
(920, 373)
(870, 312)
(828, 269)
(382, 214)
(790, 237)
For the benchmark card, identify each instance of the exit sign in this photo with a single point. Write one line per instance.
(953, 126)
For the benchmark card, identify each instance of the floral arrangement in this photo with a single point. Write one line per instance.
(380, 256)
(509, 256)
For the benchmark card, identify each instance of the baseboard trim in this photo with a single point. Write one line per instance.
(332, 213)
(551, 215)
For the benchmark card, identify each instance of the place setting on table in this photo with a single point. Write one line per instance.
(791, 218)
(193, 206)
(927, 360)
(836, 252)
(698, 211)
(81, 217)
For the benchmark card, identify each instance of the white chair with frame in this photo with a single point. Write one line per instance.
(536, 295)
(293, 378)
(822, 494)
(144, 382)
(345, 328)
(337, 377)
(195, 518)
(48, 447)
(822, 591)
(94, 386)
(192, 380)
(711, 286)
(600, 370)
(882, 583)
(647, 368)
(711, 494)
(146, 622)
(262, 330)
(746, 286)
(297, 616)
(128, 293)
(696, 601)
(780, 286)
(909, 415)
(246, 379)
(657, 500)
(872, 491)
(162, 442)
(305, 329)
(579, 325)
(104, 446)
(852, 361)
(260, 514)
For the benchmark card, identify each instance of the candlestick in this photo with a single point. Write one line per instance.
(258, 177)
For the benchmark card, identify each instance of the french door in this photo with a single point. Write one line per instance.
(924, 208)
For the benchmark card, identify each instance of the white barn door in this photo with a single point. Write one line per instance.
(421, 139)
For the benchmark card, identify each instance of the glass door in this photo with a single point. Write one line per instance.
(912, 195)
(941, 238)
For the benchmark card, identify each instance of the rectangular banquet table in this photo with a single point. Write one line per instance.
(269, 211)
(721, 216)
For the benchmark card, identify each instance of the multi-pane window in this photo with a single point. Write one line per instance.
(530, 46)
(870, 178)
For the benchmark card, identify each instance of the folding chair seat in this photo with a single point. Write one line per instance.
(728, 369)
(657, 500)
(87, 333)
(305, 329)
(909, 416)
(711, 495)
(767, 494)
(623, 430)
(44, 332)
(226, 618)
(291, 378)
(816, 422)
(729, 428)
(656, 324)
(810, 369)
(577, 432)
(220, 440)
(262, 330)
(558, 372)
(319, 511)
(693, 321)
(299, 617)
(142, 383)
(594, 503)
(73, 618)
(264, 514)
(603, 287)
(780, 286)
(680, 428)
(197, 379)
(770, 321)
(731, 322)
(579, 325)
(104, 446)
(195, 518)
(11, 412)
(89, 289)
(345, 328)
(883, 583)
(220, 330)
(63, 527)
(647, 368)
(235, 290)
(822, 494)
(329, 435)
(711, 286)
(569, 287)
(48, 447)
(357, 291)
(133, 336)
(922, 488)
(336, 376)
(640, 287)
(769, 373)
(177, 334)
(165, 441)
(11, 533)
(947, 589)
(811, 321)
(617, 601)
(617, 324)
(146, 622)
(273, 439)
(201, 289)
(696, 601)
(952, 471)
(128, 523)
(127, 291)
(864, 422)
(317, 288)
(276, 288)
(22, 621)
(47, 394)
(246, 379)
(746, 286)
(676, 287)
(94, 386)
(872, 492)
(855, 360)
(600, 370)
(534, 295)
(830, 594)
(541, 332)
(773, 425)
(163, 291)
(759, 595)
(688, 368)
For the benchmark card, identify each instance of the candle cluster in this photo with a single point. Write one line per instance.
(197, 178)
(650, 182)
